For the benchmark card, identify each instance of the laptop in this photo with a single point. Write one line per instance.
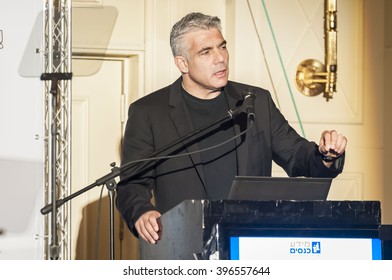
(279, 188)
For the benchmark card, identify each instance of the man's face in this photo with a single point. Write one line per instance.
(207, 62)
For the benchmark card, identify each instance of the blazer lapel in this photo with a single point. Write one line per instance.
(184, 125)
(235, 99)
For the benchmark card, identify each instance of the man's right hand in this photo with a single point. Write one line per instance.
(149, 227)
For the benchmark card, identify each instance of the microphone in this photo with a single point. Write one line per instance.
(249, 105)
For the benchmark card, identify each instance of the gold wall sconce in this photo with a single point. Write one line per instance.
(312, 76)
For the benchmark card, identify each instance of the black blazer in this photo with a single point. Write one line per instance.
(161, 117)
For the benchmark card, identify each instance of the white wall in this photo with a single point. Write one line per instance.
(21, 119)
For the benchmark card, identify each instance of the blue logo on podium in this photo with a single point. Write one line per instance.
(316, 248)
(305, 247)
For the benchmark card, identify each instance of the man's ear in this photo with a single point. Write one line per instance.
(181, 63)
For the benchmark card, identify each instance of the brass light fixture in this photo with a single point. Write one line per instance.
(313, 77)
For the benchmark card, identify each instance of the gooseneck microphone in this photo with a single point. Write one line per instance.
(249, 105)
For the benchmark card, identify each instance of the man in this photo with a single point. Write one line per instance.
(201, 95)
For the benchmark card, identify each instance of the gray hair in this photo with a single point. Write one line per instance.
(190, 22)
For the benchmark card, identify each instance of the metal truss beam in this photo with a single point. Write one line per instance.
(57, 59)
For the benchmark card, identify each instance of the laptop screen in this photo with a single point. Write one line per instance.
(279, 188)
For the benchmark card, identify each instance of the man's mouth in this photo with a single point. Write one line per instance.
(220, 73)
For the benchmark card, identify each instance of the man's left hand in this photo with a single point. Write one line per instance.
(332, 144)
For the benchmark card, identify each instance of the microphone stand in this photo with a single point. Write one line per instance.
(109, 179)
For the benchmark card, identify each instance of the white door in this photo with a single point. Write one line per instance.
(97, 120)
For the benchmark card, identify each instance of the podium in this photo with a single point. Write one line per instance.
(232, 229)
